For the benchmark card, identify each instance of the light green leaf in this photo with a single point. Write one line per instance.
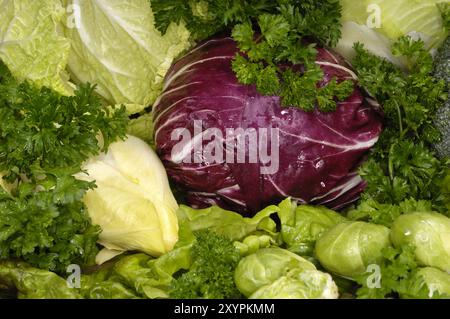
(300, 284)
(133, 202)
(349, 247)
(428, 283)
(31, 44)
(379, 23)
(265, 266)
(33, 283)
(302, 225)
(142, 127)
(227, 223)
(116, 45)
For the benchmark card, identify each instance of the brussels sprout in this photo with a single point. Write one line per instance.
(265, 266)
(348, 248)
(301, 226)
(429, 283)
(299, 284)
(429, 233)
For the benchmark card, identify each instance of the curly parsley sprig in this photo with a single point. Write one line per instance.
(395, 275)
(403, 164)
(44, 138)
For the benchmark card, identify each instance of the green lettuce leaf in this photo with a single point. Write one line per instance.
(227, 223)
(116, 45)
(142, 127)
(104, 284)
(136, 276)
(30, 44)
(417, 18)
(139, 275)
(33, 283)
(302, 225)
(428, 283)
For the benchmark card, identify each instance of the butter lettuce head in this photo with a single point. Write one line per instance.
(417, 18)
(132, 203)
(115, 44)
(31, 45)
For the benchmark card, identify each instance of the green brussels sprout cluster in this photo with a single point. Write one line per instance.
(348, 249)
(416, 243)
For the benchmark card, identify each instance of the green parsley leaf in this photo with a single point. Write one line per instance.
(331, 92)
(274, 27)
(403, 164)
(211, 274)
(41, 126)
(396, 272)
(205, 18)
(384, 214)
(409, 171)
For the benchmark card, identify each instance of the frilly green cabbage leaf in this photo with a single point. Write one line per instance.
(32, 46)
(115, 45)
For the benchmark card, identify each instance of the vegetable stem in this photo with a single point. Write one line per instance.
(399, 113)
(391, 163)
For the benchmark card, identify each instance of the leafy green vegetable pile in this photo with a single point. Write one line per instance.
(394, 243)
(403, 164)
(346, 257)
(44, 138)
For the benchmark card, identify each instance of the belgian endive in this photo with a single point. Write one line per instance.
(132, 203)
